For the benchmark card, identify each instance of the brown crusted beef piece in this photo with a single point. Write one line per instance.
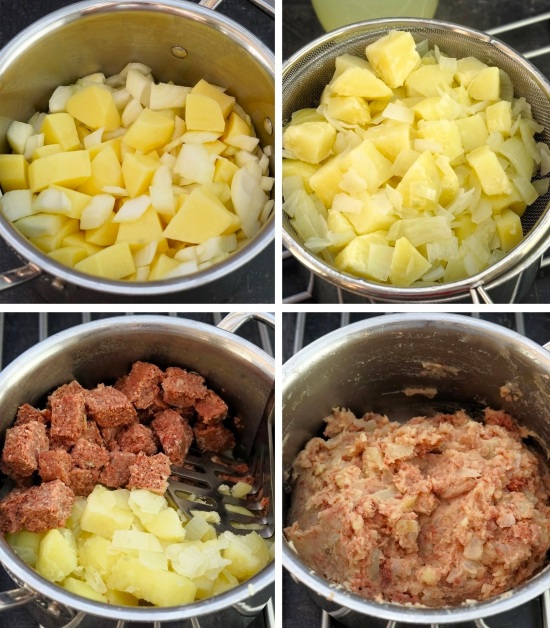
(117, 471)
(68, 413)
(150, 473)
(174, 433)
(212, 409)
(93, 434)
(37, 508)
(182, 388)
(26, 413)
(137, 438)
(109, 435)
(83, 481)
(141, 385)
(55, 464)
(22, 447)
(215, 438)
(109, 407)
(88, 455)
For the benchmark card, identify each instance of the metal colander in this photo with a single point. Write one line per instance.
(308, 71)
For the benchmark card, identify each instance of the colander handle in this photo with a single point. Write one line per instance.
(265, 5)
(16, 597)
(480, 295)
(14, 277)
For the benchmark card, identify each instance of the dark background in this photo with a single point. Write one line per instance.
(252, 283)
(300, 26)
(21, 331)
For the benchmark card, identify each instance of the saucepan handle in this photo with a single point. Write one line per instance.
(17, 276)
(266, 5)
(233, 321)
(16, 597)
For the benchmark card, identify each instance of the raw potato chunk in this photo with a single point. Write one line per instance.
(113, 262)
(69, 169)
(394, 57)
(60, 128)
(201, 217)
(162, 588)
(13, 172)
(203, 113)
(150, 130)
(94, 106)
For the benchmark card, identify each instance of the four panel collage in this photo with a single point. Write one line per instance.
(274, 335)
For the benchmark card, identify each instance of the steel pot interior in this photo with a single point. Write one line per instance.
(102, 351)
(94, 36)
(366, 367)
(308, 71)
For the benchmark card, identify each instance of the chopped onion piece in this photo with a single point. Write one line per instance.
(345, 203)
(397, 112)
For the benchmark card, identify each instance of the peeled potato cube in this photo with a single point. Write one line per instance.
(360, 82)
(489, 171)
(137, 172)
(40, 224)
(390, 138)
(421, 179)
(201, 217)
(69, 169)
(311, 141)
(354, 258)
(446, 134)
(162, 588)
(473, 132)
(349, 109)
(407, 264)
(509, 229)
(51, 242)
(499, 117)
(369, 163)
(18, 134)
(68, 255)
(150, 130)
(325, 181)
(486, 84)
(94, 106)
(97, 212)
(105, 172)
(105, 235)
(225, 101)
(78, 587)
(394, 57)
(17, 204)
(60, 128)
(147, 228)
(429, 80)
(13, 172)
(57, 555)
(112, 262)
(203, 113)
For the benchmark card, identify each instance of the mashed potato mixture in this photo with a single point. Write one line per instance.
(435, 511)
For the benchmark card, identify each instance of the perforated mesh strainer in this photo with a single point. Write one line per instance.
(306, 74)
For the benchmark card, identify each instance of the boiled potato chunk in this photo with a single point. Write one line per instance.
(360, 82)
(509, 229)
(94, 106)
(393, 57)
(486, 85)
(162, 588)
(201, 217)
(349, 109)
(311, 142)
(247, 554)
(407, 264)
(96, 551)
(429, 80)
(102, 515)
(26, 545)
(489, 171)
(78, 587)
(57, 555)
(369, 163)
(473, 132)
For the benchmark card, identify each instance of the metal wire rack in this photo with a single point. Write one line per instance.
(302, 328)
(18, 332)
(310, 288)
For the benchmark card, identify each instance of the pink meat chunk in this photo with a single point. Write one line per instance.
(150, 473)
(88, 455)
(116, 472)
(137, 438)
(55, 464)
(68, 414)
(211, 409)
(109, 407)
(142, 385)
(23, 444)
(174, 433)
(182, 388)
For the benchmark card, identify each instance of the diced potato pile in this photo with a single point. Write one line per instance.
(413, 169)
(128, 178)
(129, 547)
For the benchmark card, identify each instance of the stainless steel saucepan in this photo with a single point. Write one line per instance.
(181, 41)
(366, 367)
(102, 351)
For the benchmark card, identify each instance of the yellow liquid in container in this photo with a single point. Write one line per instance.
(335, 13)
